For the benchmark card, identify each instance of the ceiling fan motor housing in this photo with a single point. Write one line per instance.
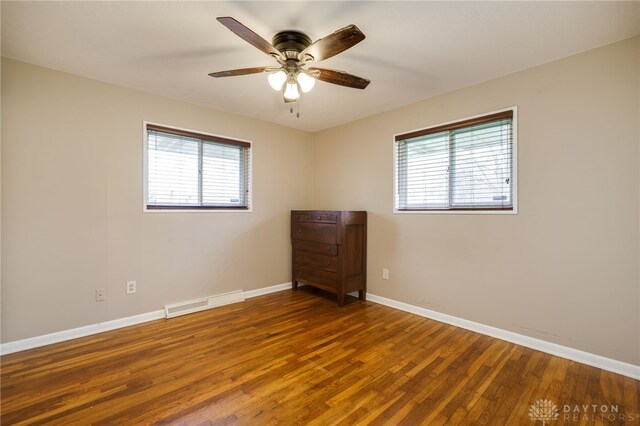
(291, 43)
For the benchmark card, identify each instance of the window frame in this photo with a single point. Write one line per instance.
(195, 134)
(462, 122)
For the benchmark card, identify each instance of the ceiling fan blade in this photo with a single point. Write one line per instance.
(341, 78)
(249, 36)
(241, 71)
(334, 43)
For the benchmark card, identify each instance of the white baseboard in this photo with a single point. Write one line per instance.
(615, 366)
(266, 290)
(61, 336)
(598, 361)
(74, 333)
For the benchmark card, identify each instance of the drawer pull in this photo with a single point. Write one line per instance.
(299, 230)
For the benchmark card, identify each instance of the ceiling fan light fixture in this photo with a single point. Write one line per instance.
(306, 82)
(277, 79)
(294, 51)
(291, 91)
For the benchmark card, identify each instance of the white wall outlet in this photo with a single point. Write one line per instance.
(385, 274)
(101, 294)
(131, 287)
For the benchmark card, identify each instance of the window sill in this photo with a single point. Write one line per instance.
(513, 211)
(167, 209)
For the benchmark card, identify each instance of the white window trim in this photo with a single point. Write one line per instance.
(184, 210)
(470, 211)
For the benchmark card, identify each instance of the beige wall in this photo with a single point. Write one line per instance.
(72, 216)
(565, 269)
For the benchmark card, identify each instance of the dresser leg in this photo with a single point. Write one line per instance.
(362, 295)
(340, 299)
(294, 284)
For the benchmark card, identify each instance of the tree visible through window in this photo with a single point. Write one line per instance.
(459, 166)
(191, 170)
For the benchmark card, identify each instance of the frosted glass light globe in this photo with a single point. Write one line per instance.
(306, 82)
(277, 79)
(291, 92)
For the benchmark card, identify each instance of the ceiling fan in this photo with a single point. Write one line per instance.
(294, 51)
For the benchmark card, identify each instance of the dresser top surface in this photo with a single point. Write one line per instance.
(328, 211)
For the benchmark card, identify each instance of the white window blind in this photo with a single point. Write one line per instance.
(191, 170)
(466, 165)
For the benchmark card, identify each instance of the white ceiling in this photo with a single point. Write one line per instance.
(412, 51)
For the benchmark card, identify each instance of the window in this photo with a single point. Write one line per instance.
(187, 170)
(466, 165)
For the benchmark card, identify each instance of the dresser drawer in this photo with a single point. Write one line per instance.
(318, 261)
(314, 217)
(318, 232)
(310, 246)
(316, 276)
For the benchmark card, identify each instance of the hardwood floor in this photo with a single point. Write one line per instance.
(294, 358)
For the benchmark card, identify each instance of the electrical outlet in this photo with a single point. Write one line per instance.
(385, 274)
(131, 287)
(101, 294)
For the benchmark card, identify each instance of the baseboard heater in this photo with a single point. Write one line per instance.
(197, 305)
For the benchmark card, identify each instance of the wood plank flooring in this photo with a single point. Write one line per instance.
(295, 358)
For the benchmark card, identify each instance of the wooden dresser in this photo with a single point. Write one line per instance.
(330, 251)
